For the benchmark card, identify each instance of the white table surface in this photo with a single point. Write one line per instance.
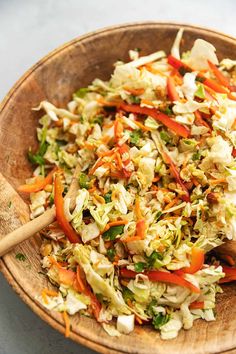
(29, 29)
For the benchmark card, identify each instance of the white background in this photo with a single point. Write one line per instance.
(29, 29)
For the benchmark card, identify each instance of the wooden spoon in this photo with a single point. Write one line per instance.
(29, 229)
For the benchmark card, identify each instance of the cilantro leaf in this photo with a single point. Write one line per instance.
(159, 214)
(127, 294)
(81, 92)
(134, 99)
(98, 120)
(160, 320)
(196, 156)
(113, 232)
(107, 197)
(111, 254)
(135, 135)
(84, 181)
(165, 136)
(20, 257)
(155, 256)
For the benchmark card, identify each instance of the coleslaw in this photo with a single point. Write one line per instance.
(156, 147)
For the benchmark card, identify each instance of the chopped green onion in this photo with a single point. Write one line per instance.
(84, 181)
(139, 267)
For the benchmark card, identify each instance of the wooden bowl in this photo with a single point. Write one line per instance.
(55, 78)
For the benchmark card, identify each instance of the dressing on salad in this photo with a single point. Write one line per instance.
(156, 145)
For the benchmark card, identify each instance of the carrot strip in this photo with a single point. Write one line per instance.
(218, 74)
(138, 210)
(79, 279)
(119, 161)
(197, 305)
(118, 130)
(132, 238)
(217, 181)
(67, 323)
(95, 166)
(44, 297)
(115, 223)
(147, 102)
(200, 121)
(91, 190)
(39, 185)
(152, 70)
(133, 91)
(197, 261)
(143, 127)
(50, 292)
(171, 90)
(140, 229)
(172, 203)
(105, 153)
(176, 176)
(66, 227)
(85, 289)
(108, 103)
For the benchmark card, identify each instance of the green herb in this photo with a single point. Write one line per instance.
(113, 232)
(139, 267)
(81, 92)
(168, 111)
(137, 50)
(107, 197)
(200, 93)
(165, 136)
(150, 307)
(134, 99)
(127, 294)
(196, 156)
(159, 214)
(160, 320)
(84, 181)
(155, 256)
(37, 158)
(98, 120)
(20, 257)
(81, 119)
(51, 199)
(111, 254)
(135, 135)
(10, 204)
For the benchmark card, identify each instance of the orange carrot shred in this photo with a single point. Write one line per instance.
(67, 323)
(39, 184)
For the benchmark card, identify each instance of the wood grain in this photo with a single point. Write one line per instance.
(55, 78)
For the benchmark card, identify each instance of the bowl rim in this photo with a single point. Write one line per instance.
(39, 311)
